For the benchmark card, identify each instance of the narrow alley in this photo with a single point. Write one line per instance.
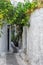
(11, 59)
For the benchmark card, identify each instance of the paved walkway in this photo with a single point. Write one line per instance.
(8, 59)
(11, 59)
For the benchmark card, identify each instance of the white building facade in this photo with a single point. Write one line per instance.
(3, 39)
(34, 45)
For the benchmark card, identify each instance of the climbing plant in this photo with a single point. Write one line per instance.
(16, 15)
(19, 15)
(6, 12)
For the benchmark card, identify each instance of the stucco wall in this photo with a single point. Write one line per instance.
(24, 39)
(35, 38)
(3, 39)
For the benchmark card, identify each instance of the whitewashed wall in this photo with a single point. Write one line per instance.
(24, 39)
(3, 40)
(35, 38)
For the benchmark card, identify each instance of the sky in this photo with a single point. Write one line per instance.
(14, 2)
(20, 0)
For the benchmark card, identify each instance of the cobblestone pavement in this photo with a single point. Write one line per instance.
(8, 59)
